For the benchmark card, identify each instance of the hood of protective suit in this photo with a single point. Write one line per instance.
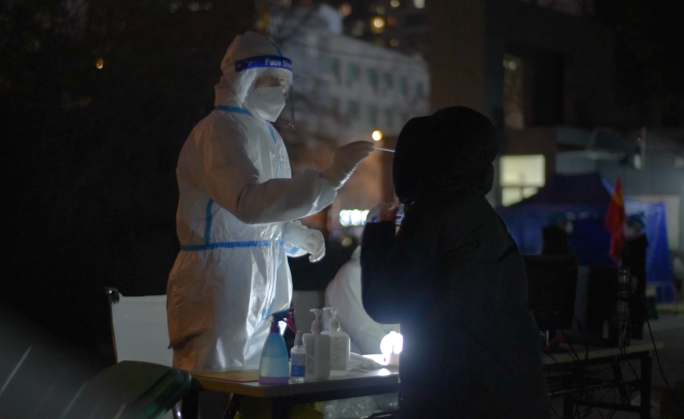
(247, 59)
(445, 155)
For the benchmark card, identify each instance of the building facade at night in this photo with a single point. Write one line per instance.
(345, 89)
(544, 72)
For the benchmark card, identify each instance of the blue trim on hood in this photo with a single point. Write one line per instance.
(233, 109)
(263, 61)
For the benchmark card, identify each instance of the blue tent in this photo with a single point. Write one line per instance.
(587, 197)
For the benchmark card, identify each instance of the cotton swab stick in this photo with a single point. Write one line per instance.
(384, 149)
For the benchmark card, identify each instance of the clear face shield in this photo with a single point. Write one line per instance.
(272, 97)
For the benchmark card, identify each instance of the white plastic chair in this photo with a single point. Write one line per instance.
(140, 330)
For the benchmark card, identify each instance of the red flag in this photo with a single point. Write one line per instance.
(615, 220)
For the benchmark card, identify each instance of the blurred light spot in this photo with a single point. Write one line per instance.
(395, 3)
(391, 21)
(346, 242)
(378, 22)
(193, 6)
(353, 217)
(394, 42)
(99, 63)
(419, 4)
(345, 9)
(208, 6)
(380, 10)
(377, 135)
(173, 7)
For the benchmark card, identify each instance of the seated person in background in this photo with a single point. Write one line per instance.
(344, 292)
(555, 235)
(453, 278)
(634, 258)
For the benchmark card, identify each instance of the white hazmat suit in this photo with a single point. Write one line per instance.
(234, 218)
(344, 292)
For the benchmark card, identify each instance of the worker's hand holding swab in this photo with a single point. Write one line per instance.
(345, 160)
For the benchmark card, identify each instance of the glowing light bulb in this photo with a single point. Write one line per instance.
(377, 135)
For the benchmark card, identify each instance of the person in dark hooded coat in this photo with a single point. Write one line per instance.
(454, 279)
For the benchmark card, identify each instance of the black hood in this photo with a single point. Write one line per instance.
(445, 155)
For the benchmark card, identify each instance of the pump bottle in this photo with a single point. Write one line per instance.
(317, 348)
(339, 345)
(274, 364)
(298, 358)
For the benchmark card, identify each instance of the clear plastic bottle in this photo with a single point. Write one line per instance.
(298, 359)
(339, 345)
(317, 348)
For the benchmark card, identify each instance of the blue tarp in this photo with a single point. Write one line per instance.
(587, 197)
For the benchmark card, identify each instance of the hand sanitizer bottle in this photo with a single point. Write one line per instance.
(339, 345)
(298, 359)
(317, 348)
(273, 367)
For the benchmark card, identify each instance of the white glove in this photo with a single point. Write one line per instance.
(344, 162)
(309, 240)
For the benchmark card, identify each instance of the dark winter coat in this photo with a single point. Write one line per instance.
(454, 279)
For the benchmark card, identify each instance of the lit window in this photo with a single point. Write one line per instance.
(352, 72)
(403, 86)
(353, 110)
(388, 118)
(387, 81)
(372, 115)
(372, 77)
(521, 177)
(335, 107)
(514, 114)
(335, 68)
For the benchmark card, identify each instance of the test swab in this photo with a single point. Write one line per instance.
(384, 149)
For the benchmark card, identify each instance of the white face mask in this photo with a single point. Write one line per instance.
(266, 102)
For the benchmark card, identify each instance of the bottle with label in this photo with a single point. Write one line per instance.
(298, 359)
(317, 348)
(339, 345)
(273, 367)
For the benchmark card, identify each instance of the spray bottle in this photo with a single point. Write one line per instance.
(274, 365)
(339, 345)
(317, 351)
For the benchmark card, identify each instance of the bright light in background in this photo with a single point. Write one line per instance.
(395, 3)
(521, 177)
(346, 242)
(419, 4)
(345, 9)
(377, 135)
(378, 24)
(391, 346)
(99, 63)
(353, 217)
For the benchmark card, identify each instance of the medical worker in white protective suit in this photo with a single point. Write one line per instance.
(236, 210)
